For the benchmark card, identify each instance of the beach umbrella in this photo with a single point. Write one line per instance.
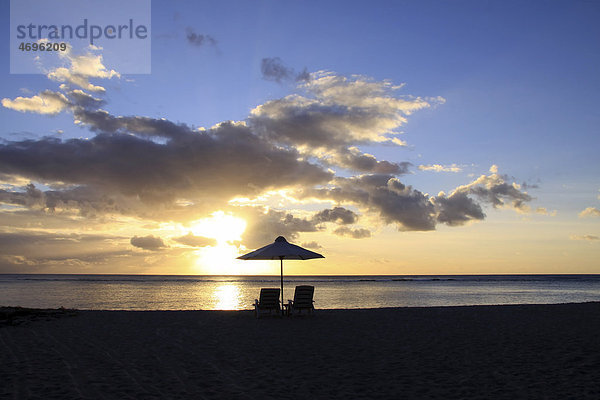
(281, 250)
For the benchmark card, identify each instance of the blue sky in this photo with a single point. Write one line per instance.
(516, 85)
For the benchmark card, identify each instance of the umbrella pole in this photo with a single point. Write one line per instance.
(281, 259)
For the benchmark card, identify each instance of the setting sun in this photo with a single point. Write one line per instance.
(220, 258)
(326, 199)
(109, 164)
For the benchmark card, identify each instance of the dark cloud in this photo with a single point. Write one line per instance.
(273, 69)
(337, 112)
(527, 186)
(498, 194)
(158, 169)
(311, 123)
(85, 100)
(495, 190)
(411, 209)
(199, 40)
(195, 241)
(339, 215)
(149, 242)
(103, 122)
(303, 76)
(358, 233)
(458, 209)
(219, 163)
(353, 159)
(335, 115)
(385, 195)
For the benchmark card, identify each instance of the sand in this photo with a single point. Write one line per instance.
(504, 352)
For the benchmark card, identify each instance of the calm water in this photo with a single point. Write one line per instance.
(153, 292)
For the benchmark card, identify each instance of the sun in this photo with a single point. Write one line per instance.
(220, 259)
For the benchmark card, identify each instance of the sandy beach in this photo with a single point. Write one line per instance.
(504, 352)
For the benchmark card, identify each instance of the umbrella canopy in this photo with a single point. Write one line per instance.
(281, 250)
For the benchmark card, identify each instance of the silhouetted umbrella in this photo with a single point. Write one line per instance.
(281, 250)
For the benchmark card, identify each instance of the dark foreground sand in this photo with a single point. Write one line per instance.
(504, 352)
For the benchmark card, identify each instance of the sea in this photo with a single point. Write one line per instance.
(159, 292)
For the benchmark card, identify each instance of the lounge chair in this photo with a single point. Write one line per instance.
(268, 302)
(303, 300)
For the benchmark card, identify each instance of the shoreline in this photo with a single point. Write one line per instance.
(33, 310)
(507, 351)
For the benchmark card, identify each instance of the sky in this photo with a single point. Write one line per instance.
(393, 137)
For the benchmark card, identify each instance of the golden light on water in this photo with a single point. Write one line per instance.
(228, 297)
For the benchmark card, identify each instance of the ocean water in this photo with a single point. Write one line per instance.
(156, 292)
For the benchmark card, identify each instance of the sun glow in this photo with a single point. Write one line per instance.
(221, 258)
(220, 226)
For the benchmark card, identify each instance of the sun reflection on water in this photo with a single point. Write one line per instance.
(228, 297)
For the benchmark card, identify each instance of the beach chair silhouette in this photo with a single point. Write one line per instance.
(268, 302)
(303, 300)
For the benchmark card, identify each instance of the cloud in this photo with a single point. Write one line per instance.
(354, 160)
(440, 168)
(76, 262)
(32, 251)
(86, 201)
(80, 98)
(195, 241)
(339, 215)
(156, 169)
(312, 245)
(336, 114)
(49, 102)
(590, 212)
(358, 233)
(82, 67)
(457, 209)
(385, 195)
(199, 40)
(337, 111)
(544, 211)
(273, 69)
(149, 242)
(220, 163)
(495, 190)
(46, 102)
(585, 237)
(412, 210)
(11, 242)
